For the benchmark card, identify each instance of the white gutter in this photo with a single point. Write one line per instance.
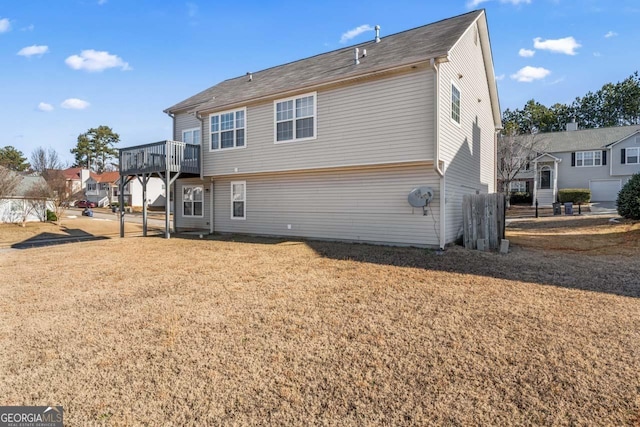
(201, 119)
(437, 163)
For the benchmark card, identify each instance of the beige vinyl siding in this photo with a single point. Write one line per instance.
(184, 121)
(182, 223)
(468, 149)
(372, 122)
(365, 206)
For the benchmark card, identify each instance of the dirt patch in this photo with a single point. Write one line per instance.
(217, 332)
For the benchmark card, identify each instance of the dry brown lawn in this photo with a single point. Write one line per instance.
(254, 331)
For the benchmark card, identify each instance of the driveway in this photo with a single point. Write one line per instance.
(604, 208)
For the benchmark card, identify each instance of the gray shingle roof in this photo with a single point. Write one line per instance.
(586, 139)
(419, 44)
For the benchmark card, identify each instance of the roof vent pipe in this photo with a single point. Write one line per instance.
(250, 76)
(357, 61)
(377, 33)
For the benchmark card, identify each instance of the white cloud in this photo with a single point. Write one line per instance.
(93, 60)
(528, 74)
(5, 25)
(355, 32)
(597, 54)
(28, 28)
(610, 34)
(74, 104)
(101, 2)
(33, 50)
(500, 77)
(473, 3)
(526, 53)
(43, 106)
(567, 45)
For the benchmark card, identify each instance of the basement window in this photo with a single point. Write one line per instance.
(295, 118)
(192, 201)
(238, 199)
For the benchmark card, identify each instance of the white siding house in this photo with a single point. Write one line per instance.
(329, 147)
(601, 160)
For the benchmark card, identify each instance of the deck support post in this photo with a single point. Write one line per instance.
(167, 204)
(143, 181)
(121, 204)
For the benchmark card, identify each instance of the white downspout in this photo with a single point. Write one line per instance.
(438, 166)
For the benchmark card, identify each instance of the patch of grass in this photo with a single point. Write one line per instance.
(588, 235)
(217, 332)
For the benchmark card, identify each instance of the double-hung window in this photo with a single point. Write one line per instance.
(518, 186)
(91, 187)
(295, 118)
(588, 158)
(192, 200)
(238, 199)
(632, 155)
(455, 104)
(191, 136)
(228, 130)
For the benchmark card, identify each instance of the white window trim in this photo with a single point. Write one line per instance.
(244, 183)
(191, 130)
(315, 118)
(594, 159)
(522, 184)
(459, 124)
(215, 150)
(182, 200)
(626, 155)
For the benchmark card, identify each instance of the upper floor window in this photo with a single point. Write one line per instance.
(191, 136)
(91, 186)
(589, 158)
(296, 118)
(228, 129)
(631, 155)
(192, 198)
(455, 103)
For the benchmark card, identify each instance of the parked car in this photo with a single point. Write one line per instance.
(85, 204)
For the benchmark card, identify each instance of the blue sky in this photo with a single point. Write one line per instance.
(69, 65)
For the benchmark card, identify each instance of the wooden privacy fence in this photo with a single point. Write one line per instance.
(483, 220)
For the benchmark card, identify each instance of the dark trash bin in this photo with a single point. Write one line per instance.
(557, 210)
(568, 208)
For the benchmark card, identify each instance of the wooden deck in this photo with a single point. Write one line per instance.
(160, 157)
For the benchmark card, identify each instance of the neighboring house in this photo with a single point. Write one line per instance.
(601, 160)
(76, 181)
(25, 204)
(329, 147)
(103, 189)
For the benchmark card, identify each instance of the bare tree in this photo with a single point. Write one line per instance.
(42, 160)
(9, 180)
(59, 191)
(515, 151)
(34, 203)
